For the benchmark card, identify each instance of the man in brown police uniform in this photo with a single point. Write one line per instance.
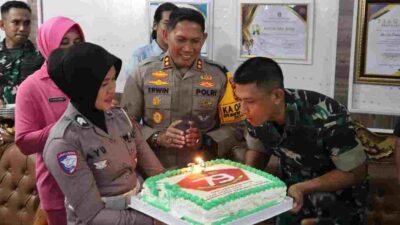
(180, 96)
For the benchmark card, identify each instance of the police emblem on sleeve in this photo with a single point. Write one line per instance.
(81, 121)
(68, 161)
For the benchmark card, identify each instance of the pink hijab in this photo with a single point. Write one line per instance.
(50, 34)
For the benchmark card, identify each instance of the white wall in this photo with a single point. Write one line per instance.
(122, 25)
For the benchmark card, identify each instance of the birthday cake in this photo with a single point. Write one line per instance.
(221, 192)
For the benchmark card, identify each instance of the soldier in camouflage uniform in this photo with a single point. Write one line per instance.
(322, 162)
(178, 96)
(18, 56)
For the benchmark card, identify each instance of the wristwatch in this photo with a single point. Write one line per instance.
(154, 138)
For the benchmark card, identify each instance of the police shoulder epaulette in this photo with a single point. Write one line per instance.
(120, 111)
(59, 131)
(220, 66)
(81, 121)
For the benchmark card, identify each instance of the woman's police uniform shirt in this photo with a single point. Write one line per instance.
(89, 164)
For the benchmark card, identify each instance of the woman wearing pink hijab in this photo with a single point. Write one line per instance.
(39, 104)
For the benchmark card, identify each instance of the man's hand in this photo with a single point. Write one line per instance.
(297, 194)
(172, 137)
(193, 137)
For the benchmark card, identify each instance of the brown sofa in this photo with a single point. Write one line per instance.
(385, 207)
(19, 200)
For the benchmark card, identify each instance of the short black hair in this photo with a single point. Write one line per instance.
(165, 7)
(14, 4)
(265, 72)
(182, 14)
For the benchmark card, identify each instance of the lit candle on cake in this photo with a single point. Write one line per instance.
(200, 161)
(197, 167)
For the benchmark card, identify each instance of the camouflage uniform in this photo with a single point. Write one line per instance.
(159, 94)
(15, 66)
(317, 137)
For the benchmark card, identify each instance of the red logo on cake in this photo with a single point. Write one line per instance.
(212, 180)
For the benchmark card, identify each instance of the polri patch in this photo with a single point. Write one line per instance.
(57, 99)
(68, 161)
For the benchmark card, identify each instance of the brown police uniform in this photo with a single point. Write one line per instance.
(96, 170)
(158, 94)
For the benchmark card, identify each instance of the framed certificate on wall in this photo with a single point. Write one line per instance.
(203, 6)
(281, 30)
(377, 48)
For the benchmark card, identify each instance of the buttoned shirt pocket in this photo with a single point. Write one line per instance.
(204, 108)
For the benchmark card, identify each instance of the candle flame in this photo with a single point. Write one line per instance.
(199, 160)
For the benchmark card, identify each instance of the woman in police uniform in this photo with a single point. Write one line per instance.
(93, 150)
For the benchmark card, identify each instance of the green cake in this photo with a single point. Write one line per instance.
(221, 193)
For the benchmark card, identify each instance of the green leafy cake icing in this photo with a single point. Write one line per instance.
(177, 192)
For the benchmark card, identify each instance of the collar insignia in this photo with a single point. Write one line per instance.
(81, 121)
(167, 61)
(199, 64)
